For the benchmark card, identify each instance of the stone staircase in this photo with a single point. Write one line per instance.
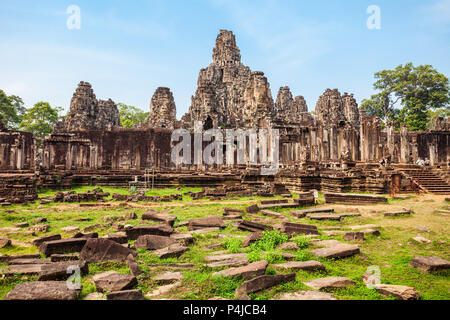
(429, 180)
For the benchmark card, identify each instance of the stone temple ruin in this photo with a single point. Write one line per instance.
(337, 148)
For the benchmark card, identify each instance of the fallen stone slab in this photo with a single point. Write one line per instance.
(221, 257)
(5, 242)
(253, 226)
(205, 230)
(98, 250)
(232, 218)
(172, 265)
(296, 228)
(158, 230)
(399, 292)
(421, 240)
(310, 265)
(370, 232)
(273, 214)
(354, 236)
(62, 270)
(262, 282)
(397, 213)
(40, 228)
(168, 277)
(64, 257)
(90, 235)
(42, 290)
(70, 229)
(233, 212)
(152, 242)
(334, 249)
(62, 246)
(247, 272)
(125, 295)
(307, 295)
(113, 281)
(159, 216)
(251, 238)
(130, 216)
(303, 213)
(348, 198)
(163, 290)
(8, 259)
(275, 201)
(236, 262)
(329, 283)
(133, 265)
(119, 237)
(38, 241)
(29, 261)
(207, 222)
(173, 251)
(27, 269)
(22, 225)
(183, 238)
(430, 264)
(322, 216)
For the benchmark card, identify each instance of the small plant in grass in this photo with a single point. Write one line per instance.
(302, 255)
(273, 257)
(269, 240)
(225, 286)
(255, 255)
(232, 244)
(302, 241)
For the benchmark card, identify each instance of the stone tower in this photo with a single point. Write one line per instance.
(163, 110)
(228, 93)
(86, 113)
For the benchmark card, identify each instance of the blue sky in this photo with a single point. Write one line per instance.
(126, 49)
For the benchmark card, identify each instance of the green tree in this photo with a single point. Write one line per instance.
(130, 115)
(406, 95)
(40, 119)
(11, 110)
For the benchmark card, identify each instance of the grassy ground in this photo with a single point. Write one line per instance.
(391, 252)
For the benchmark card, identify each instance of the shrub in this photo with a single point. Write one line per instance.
(269, 240)
(232, 244)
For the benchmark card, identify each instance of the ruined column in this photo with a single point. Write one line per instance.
(390, 138)
(404, 146)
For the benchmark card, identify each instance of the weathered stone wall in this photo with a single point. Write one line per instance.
(119, 149)
(16, 150)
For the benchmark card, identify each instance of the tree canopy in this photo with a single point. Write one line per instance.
(408, 94)
(130, 115)
(11, 110)
(40, 119)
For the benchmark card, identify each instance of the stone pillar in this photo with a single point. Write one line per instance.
(390, 138)
(404, 146)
